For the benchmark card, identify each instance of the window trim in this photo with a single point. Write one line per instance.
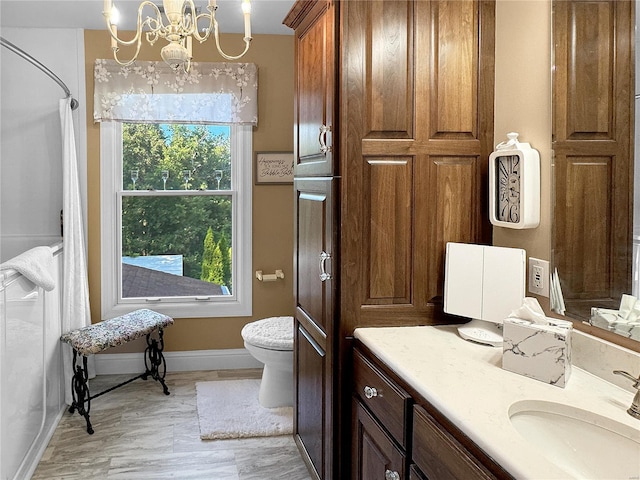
(238, 304)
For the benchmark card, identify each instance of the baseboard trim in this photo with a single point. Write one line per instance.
(38, 447)
(187, 361)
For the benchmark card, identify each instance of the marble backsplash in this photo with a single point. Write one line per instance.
(600, 358)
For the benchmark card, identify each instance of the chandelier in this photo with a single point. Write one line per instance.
(182, 26)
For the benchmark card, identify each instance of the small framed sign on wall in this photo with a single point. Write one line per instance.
(274, 168)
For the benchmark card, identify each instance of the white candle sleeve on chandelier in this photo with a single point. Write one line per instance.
(114, 42)
(246, 9)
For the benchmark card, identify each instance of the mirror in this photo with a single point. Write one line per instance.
(595, 234)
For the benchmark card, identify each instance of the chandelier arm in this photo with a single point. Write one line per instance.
(156, 30)
(192, 15)
(211, 16)
(140, 24)
(115, 37)
(133, 59)
(247, 41)
(207, 31)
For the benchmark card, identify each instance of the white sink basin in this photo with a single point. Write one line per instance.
(582, 443)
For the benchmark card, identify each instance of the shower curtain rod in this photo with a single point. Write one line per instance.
(18, 51)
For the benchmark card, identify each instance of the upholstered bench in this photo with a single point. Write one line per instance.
(111, 333)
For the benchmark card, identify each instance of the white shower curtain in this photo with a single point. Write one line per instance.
(75, 295)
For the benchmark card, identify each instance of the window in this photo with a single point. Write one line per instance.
(176, 219)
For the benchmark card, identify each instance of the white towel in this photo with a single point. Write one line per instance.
(36, 265)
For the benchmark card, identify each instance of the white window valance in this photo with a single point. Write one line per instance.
(153, 92)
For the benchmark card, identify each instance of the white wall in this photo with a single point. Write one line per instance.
(30, 134)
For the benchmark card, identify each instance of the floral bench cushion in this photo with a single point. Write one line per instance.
(116, 331)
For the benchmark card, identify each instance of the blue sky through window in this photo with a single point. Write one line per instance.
(214, 129)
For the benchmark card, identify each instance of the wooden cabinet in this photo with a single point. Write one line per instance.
(315, 65)
(314, 321)
(416, 116)
(375, 453)
(380, 430)
(394, 117)
(593, 135)
(310, 365)
(316, 222)
(438, 454)
(383, 448)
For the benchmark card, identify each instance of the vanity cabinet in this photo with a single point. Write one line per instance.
(380, 432)
(397, 435)
(376, 454)
(438, 454)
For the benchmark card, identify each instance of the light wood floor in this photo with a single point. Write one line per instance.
(140, 433)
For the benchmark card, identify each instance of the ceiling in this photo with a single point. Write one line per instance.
(266, 15)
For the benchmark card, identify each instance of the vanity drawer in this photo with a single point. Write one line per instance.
(386, 400)
(439, 455)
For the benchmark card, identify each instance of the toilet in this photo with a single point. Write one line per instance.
(270, 341)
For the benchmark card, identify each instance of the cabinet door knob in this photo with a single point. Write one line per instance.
(391, 475)
(324, 276)
(322, 138)
(370, 392)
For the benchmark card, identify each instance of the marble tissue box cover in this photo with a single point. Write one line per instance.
(538, 351)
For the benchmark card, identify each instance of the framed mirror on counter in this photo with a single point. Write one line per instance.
(596, 214)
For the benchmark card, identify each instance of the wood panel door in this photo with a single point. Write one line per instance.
(417, 106)
(375, 454)
(315, 62)
(592, 142)
(314, 285)
(314, 257)
(310, 432)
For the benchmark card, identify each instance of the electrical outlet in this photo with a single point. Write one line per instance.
(539, 276)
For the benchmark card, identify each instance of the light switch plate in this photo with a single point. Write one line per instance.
(539, 276)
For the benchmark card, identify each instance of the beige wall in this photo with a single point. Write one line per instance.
(272, 204)
(523, 105)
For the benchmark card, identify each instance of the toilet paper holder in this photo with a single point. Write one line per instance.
(271, 277)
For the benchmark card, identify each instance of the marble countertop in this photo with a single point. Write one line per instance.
(466, 382)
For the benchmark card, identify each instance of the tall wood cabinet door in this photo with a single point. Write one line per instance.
(314, 90)
(593, 139)
(314, 316)
(310, 401)
(416, 108)
(314, 258)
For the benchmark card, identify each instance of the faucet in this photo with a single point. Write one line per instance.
(634, 409)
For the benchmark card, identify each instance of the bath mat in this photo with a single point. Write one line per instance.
(230, 409)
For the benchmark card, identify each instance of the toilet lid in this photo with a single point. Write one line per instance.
(274, 333)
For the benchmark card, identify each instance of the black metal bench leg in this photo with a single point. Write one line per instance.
(80, 390)
(154, 362)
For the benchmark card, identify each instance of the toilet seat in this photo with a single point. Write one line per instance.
(273, 333)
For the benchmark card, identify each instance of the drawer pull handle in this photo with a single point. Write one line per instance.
(391, 475)
(370, 392)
